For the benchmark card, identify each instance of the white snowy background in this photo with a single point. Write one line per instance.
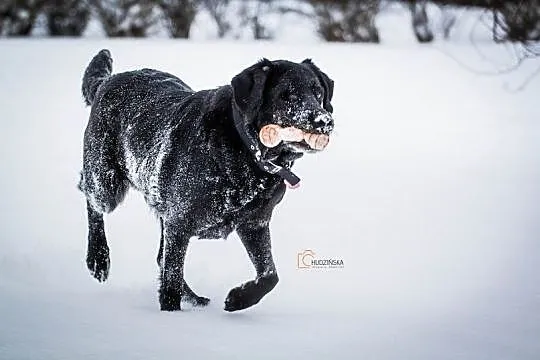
(429, 191)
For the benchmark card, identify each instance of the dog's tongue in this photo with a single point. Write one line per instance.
(296, 186)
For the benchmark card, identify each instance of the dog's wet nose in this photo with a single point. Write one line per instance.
(323, 122)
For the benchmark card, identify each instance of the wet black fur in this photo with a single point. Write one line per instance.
(150, 131)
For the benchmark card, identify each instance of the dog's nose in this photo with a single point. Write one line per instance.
(323, 122)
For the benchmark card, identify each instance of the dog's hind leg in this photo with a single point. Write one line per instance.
(188, 295)
(97, 256)
(104, 190)
(256, 239)
(175, 242)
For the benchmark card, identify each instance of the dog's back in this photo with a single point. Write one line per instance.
(100, 69)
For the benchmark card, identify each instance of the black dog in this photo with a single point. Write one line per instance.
(197, 159)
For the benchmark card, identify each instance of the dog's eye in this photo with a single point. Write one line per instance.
(288, 96)
(317, 91)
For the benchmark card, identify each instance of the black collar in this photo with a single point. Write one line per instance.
(249, 137)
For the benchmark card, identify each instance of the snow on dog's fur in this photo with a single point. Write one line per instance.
(182, 150)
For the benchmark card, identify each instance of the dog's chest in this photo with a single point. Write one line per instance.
(228, 198)
(236, 197)
(231, 205)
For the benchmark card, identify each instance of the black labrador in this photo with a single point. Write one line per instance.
(196, 158)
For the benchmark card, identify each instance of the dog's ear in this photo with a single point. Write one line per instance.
(248, 88)
(326, 82)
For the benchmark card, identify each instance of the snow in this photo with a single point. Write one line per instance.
(428, 191)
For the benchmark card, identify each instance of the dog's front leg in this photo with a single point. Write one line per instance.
(256, 239)
(188, 295)
(176, 240)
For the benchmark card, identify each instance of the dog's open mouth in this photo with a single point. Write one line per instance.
(272, 135)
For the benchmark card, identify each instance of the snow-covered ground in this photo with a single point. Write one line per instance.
(429, 192)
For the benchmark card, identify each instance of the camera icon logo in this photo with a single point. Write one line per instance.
(304, 258)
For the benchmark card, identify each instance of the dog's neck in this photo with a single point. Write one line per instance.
(248, 134)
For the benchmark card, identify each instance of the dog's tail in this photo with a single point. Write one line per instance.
(99, 69)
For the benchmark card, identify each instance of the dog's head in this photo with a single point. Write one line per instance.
(286, 94)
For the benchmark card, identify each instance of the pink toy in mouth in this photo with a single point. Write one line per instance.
(272, 135)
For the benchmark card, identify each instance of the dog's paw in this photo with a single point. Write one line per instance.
(98, 263)
(250, 293)
(197, 301)
(239, 299)
(170, 300)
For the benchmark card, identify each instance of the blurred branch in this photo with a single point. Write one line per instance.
(292, 10)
